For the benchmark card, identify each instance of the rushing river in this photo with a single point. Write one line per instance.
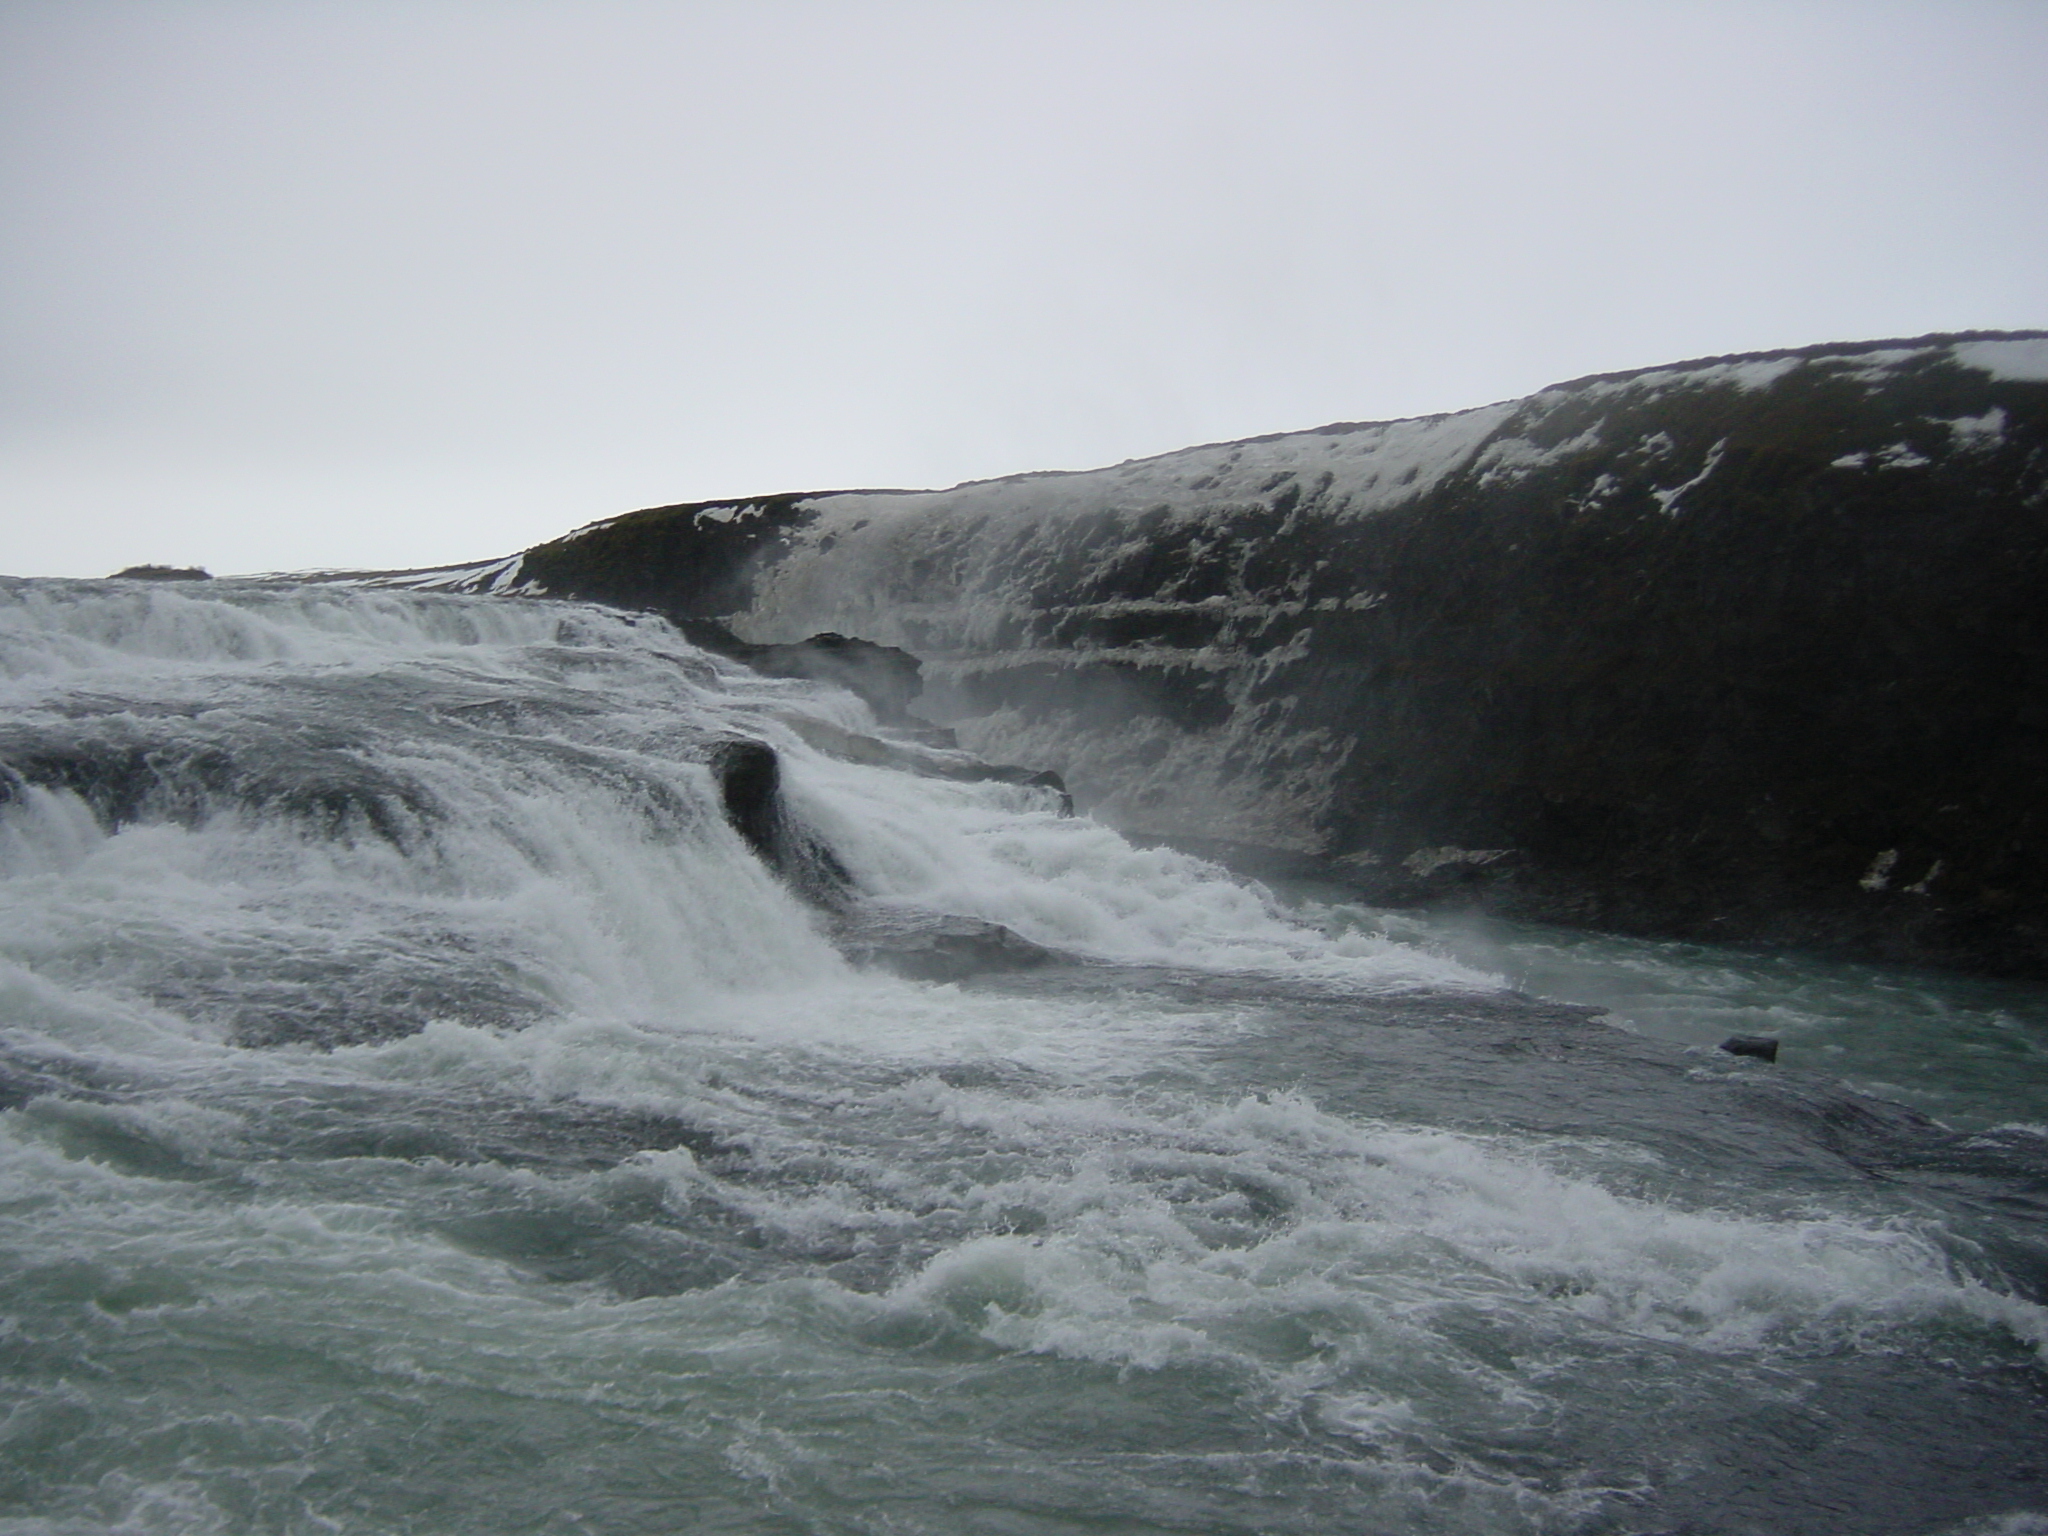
(424, 1113)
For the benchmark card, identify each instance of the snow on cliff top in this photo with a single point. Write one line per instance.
(1355, 469)
(2021, 360)
(1369, 466)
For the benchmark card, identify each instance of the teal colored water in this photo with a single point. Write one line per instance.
(421, 1112)
(1971, 1051)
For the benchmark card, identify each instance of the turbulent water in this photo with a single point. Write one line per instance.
(425, 1113)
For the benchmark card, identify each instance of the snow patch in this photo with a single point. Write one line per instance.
(1875, 368)
(1515, 455)
(1604, 485)
(1752, 373)
(1978, 432)
(2023, 362)
(1759, 374)
(495, 576)
(1897, 456)
(1667, 501)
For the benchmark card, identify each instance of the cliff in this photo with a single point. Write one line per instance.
(1749, 648)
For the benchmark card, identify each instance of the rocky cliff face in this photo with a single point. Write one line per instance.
(1745, 648)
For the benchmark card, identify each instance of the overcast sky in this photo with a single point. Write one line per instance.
(386, 283)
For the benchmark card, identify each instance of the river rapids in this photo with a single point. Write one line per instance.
(422, 1111)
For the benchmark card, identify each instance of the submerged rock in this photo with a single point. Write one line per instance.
(883, 676)
(1763, 1047)
(127, 770)
(934, 946)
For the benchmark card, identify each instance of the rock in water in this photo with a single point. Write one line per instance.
(749, 776)
(1763, 1047)
(932, 946)
(1743, 648)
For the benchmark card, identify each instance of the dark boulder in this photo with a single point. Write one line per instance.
(923, 946)
(749, 777)
(882, 676)
(1762, 1047)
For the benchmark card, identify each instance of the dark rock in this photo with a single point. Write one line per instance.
(1431, 877)
(697, 560)
(749, 776)
(882, 676)
(162, 573)
(1743, 649)
(931, 946)
(1763, 1047)
(1000, 773)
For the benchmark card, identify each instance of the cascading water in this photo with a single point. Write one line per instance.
(424, 1111)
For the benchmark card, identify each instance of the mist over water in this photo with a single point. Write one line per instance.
(424, 1112)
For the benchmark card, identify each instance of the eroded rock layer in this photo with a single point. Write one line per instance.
(1745, 648)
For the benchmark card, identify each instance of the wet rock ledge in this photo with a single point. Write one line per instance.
(922, 945)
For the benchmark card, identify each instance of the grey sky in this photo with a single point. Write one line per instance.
(289, 283)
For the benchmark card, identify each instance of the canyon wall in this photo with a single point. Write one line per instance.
(1748, 648)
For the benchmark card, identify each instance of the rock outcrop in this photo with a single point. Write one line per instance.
(1746, 648)
(923, 945)
(934, 946)
(885, 677)
(749, 779)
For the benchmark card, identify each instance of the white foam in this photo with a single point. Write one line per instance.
(1391, 1223)
(1081, 1193)
(68, 630)
(1075, 885)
